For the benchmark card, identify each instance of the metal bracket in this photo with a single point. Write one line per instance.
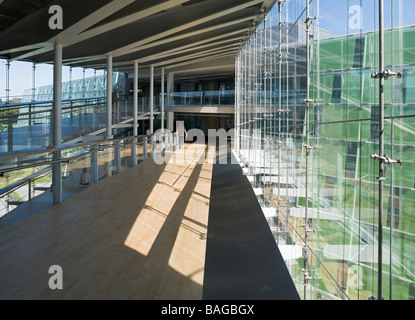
(386, 74)
(308, 147)
(307, 277)
(280, 230)
(385, 159)
(310, 100)
(309, 19)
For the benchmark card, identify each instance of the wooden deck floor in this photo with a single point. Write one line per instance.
(140, 234)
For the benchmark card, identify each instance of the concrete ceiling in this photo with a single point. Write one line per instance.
(183, 36)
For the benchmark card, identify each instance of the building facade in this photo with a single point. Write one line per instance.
(306, 130)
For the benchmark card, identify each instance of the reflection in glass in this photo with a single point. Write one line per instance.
(344, 131)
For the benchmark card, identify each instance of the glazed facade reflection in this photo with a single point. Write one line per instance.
(324, 214)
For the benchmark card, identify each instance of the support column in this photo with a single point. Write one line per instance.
(153, 144)
(83, 83)
(57, 124)
(162, 99)
(109, 97)
(308, 101)
(381, 145)
(94, 165)
(33, 92)
(170, 90)
(70, 85)
(135, 116)
(152, 99)
(10, 120)
(33, 83)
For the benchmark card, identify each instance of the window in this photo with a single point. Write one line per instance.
(315, 131)
(374, 123)
(359, 50)
(337, 88)
(330, 189)
(352, 149)
(396, 206)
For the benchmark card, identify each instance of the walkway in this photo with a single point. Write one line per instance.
(141, 234)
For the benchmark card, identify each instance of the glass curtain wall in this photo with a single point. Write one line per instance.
(309, 160)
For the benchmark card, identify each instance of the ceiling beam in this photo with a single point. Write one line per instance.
(150, 44)
(191, 47)
(207, 58)
(230, 48)
(222, 13)
(125, 20)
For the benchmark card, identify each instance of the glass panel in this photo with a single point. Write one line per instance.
(339, 181)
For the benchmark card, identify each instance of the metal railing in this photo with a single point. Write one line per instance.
(100, 159)
(27, 125)
(202, 98)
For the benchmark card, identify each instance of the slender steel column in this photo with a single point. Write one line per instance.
(162, 99)
(83, 83)
(8, 64)
(381, 145)
(57, 124)
(170, 90)
(33, 84)
(135, 115)
(109, 97)
(70, 84)
(152, 99)
(307, 228)
(279, 99)
(10, 120)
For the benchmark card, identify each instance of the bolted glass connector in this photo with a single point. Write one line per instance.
(386, 74)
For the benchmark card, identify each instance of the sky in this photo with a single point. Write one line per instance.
(339, 17)
(21, 76)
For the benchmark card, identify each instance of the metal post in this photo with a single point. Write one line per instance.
(117, 156)
(307, 146)
(152, 109)
(70, 86)
(381, 145)
(162, 99)
(10, 119)
(170, 90)
(57, 124)
(29, 185)
(135, 115)
(145, 144)
(95, 83)
(83, 83)
(279, 100)
(33, 83)
(152, 99)
(7, 81)
(109, 97)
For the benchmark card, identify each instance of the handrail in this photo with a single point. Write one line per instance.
(43, 111)
(47, 101)
(30, 152)
(11, 187)
(44, 171)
